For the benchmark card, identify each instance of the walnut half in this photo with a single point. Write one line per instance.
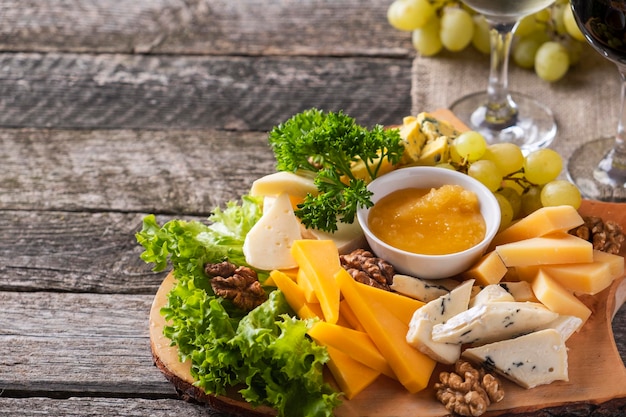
(366, 268)
(239, 284)
(468, 391)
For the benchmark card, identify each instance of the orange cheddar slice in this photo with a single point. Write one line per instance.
(558, 299)
(356, 344)
(583, 278)
(307, 287)
(348, 315)
(412, 368)
(319, 259)
(545, 221)
(351, 375)
(557, 248)
(399, 305)
(488, 270)
(295, 296)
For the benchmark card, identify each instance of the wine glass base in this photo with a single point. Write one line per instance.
(534, 127)
(587, 168)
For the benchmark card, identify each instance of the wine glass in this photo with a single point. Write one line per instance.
(499, 114)
(598, 167)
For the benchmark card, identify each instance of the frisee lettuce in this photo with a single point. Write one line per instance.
(265, 353)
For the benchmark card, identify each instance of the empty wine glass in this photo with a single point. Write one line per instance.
(598, 167)
(499, 114)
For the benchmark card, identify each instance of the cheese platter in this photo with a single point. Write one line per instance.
(597, 377)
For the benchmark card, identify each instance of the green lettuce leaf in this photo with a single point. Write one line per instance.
(265, 353)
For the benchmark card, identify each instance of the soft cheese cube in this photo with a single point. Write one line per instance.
(558, 248)
(534, 359)
(544, 221)
(488, 270)
(283, 182)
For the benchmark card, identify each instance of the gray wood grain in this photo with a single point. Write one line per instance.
(206, 27)
(234, 93)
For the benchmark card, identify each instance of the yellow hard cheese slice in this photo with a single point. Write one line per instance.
(558, 299)
(557, 248)
(356, 344)
(294, 295)
(319, 259)
(412, 368)
(488, 270)
(541, 222)
(399, 305)
(351, 375)
(586, 278)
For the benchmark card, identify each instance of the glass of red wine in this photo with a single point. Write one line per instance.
(598, 167)
(497, 113)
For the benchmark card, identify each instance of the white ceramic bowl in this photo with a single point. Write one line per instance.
(430, 266)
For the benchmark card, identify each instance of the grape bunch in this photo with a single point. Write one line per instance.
(521, 183)
(548, 41)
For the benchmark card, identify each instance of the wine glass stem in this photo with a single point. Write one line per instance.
(501, 111)
(619, 150)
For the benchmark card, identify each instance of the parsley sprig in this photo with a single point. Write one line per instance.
(328, 144)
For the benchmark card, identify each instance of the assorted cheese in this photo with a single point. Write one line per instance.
(530, 360)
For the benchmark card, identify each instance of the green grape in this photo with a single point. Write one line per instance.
(481, 39)
(574, 50)
(558, 20)
(470, 145)
(542, 166)
(487, 173)
(455, 156)
(524, 51)
(457, 28)
(514, 199)
(506, 211)
(570, 25)
(551, 61)
(426, 39)
(560, 193)
(528, 25)
(508, 157)
(408, 15)
(531, 200)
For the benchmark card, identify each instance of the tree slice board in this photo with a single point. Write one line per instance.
(596, 373)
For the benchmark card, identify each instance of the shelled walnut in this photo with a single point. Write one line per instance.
(468, 391)
(239, 284)
(366, 268)
(606, 236)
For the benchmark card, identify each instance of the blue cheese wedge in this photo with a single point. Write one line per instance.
(492, 322)
(268, 243)
(534, 359)
(438, 311)
(490, 294)
(422, 289)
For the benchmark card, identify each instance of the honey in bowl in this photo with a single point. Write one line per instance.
(435, 221)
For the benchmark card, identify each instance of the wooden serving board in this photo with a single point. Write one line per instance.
(596, 372)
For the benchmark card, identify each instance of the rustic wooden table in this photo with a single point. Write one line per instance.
(110, 110)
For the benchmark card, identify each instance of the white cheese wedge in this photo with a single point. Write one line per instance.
(490, 294)
(493, 322)
(534, 359)
(438, 311)
(422, 289)
(268, 243)
(283, 182)
(347, 237)
(565, 325)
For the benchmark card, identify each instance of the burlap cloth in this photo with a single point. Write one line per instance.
(585, 102)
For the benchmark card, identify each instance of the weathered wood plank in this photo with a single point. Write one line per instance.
(218, 27)
(61, 343)
(77, 252)
(234, 93)
(98, 407)
(129, 171)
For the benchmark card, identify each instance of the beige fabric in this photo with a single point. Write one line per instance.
(585, 102)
